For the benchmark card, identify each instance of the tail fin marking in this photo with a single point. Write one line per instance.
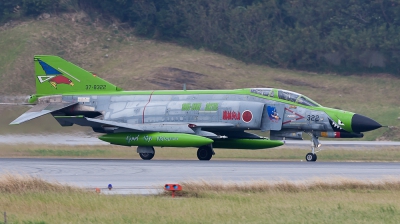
(57, 76)
(48, 69)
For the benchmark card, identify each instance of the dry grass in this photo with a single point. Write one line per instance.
(196, 188)
(23, 184)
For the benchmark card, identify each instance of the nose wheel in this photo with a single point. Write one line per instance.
(312, 156)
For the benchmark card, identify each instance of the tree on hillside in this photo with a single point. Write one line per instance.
(303, 34)
(9, 8)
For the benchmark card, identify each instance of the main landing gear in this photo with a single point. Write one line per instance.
(205, 152)
(146, 152)
(312, 156)
(146, 156)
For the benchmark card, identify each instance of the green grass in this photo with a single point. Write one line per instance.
(283, 153)
(137, 64)
(338, 201)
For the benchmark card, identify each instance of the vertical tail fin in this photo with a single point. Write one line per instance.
(55, 75)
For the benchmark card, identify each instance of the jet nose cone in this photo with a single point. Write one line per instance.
(361, 123)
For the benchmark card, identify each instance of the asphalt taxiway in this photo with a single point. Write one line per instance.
(144, 177)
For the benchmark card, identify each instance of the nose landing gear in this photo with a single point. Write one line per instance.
(312, 156)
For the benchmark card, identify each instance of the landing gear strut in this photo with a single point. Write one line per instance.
(205, 152)
(312, 157)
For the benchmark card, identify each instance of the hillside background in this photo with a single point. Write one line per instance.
(116, 42)
(319, 35)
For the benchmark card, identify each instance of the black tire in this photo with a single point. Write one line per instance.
(204, 153)
(146, 156)
(310, 157)
(315, 158)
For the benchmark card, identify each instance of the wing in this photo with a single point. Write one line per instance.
(175, 127)
(40, 110)
(214, 125)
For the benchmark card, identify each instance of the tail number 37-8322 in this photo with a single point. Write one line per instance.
(96, 87)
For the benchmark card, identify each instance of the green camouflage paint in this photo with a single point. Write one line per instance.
(55, 75)
(246, 143)
(156, 139)
(340, 117)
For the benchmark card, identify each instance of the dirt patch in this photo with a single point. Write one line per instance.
(392, 134)
(214, 66)
(377, 75)
(174, 78)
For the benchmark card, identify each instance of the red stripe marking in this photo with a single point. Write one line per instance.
(144, 109)
(298, 115)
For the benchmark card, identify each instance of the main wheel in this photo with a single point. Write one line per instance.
(146, 156)
(311, 157)
(204, 153)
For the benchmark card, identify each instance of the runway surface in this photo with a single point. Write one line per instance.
(146, 177)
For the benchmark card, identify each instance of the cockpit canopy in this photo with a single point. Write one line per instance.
(286, 95)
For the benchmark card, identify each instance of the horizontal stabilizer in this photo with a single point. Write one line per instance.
(40, 110)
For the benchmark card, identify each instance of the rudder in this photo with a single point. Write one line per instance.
(55, 75)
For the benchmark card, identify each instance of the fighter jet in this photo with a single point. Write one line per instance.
(206, 119)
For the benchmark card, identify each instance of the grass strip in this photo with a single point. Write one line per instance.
(69, 152)
(284, 153)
